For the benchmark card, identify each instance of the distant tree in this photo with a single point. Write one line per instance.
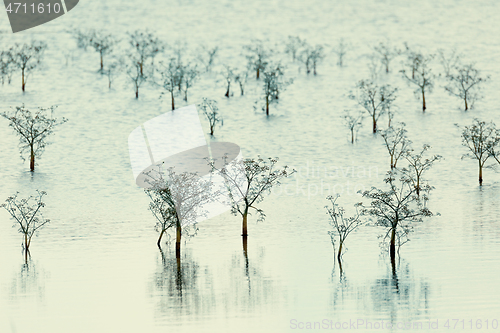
(6, 66)
(353, 123)
(189, 75)
(247, 183)
(421, 76)
(274, 82)
(480, 138)
(374, 99)
(241, 77)
(396, 142)
(176, 201)
(33, 129)
(417, 165)
(171, 78)
(101, 41)
(306, 56)
(293, 45)
(386, 54)
(28, 216)
(146, 46)
(449, 61)
(211, 111)
(413, 60)
(27, 57)
(134, 73)
(341, 50)
(397, 209)
(113, 69)
(228, 76)
(257, 56)
(317, 55)
(374, 66)
(464, 83)
(207, 56)
(342, 225)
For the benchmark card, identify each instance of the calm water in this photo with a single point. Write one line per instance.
(96, 267)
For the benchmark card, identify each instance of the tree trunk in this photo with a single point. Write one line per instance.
(140, 66)
(102, 64)
(178, 241)
(227, 91)
(339, 253)
(374, 125)
(392, 161)
(418, 186)
(352, 136)
(392, 248)
(480, 174)
(465, 99)
(32, 160)
(136, 93)
(244, 227)
(314, 69)
(159, 239)
(172, 95)
(23, 82)
(423, 101)
(211, 130)
(258, 73)
(267, 105)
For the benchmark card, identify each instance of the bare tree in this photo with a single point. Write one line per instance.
(293, 45)
(27, 57)
(342, 225)
(113, 69)
(449, 61)
(386, 54)
(421, 76)
(101, 41)
(374, 99)
(33, 129)
(6, 66)
(464, 83)
(480, 138)
(274, 82)
(341, 50)
(396, 142)
(189, 75)
(306, 56)
(211, 111)
(417, 165)
(353, 123)
(317, 55)
(134, 73)
(171, 78)
(397, 209)
(257, 56)
(176, 201)
(241, 77)
(228, 76)
(28, 216)
(146, 46)
(248, 182)
(207, 56)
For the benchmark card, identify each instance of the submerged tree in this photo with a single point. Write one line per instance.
(396, 142)
(207, 56)
(293, 45)
(397, 209)
(449, 61)
(27, 57)
(342, 226)
(418, 164)
(211, 111)
(274, 82)
(480, 138)
(134, 73)
(374, 99)
(317, 55)
(386, 54)
(146, 46)
(33, 129)
(421, 76)
(464, 83)
(171, 78)
(353, 123)
(341, 51)
(241, 77)
(176, 201)
(228, 76)
(6, 66)
(248, 181)
(28, 216)
(189, 75)
(101, 41)
(306, 56)
(257, 56)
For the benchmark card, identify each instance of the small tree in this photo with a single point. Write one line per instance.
(33, 129)
(228, 76)
(211, 111)
(417, 165)
(176, 200)
(100, 41)
(396, 142)
(353, 123)
(112, 70)
(207, 56)
(293, 45)
(317, 55)
(145, 46)
(134, 73)
(171, 78)
(386, 54)
(257, 56)
(306, 56)
(274, 82)
(28, 216)
(248, 181)
(449, 61)
(481, 139)
(464, 83)
(396, 209)
(342, 226)
(421, 76)
(241, 77)
(6, 66)
(341, 51)
(27, 57)
(374, 99)
(190, 74)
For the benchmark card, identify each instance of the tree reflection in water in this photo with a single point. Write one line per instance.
(30, 282)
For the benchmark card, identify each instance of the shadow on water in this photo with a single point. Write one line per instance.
(29, 282)
(180, 286)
